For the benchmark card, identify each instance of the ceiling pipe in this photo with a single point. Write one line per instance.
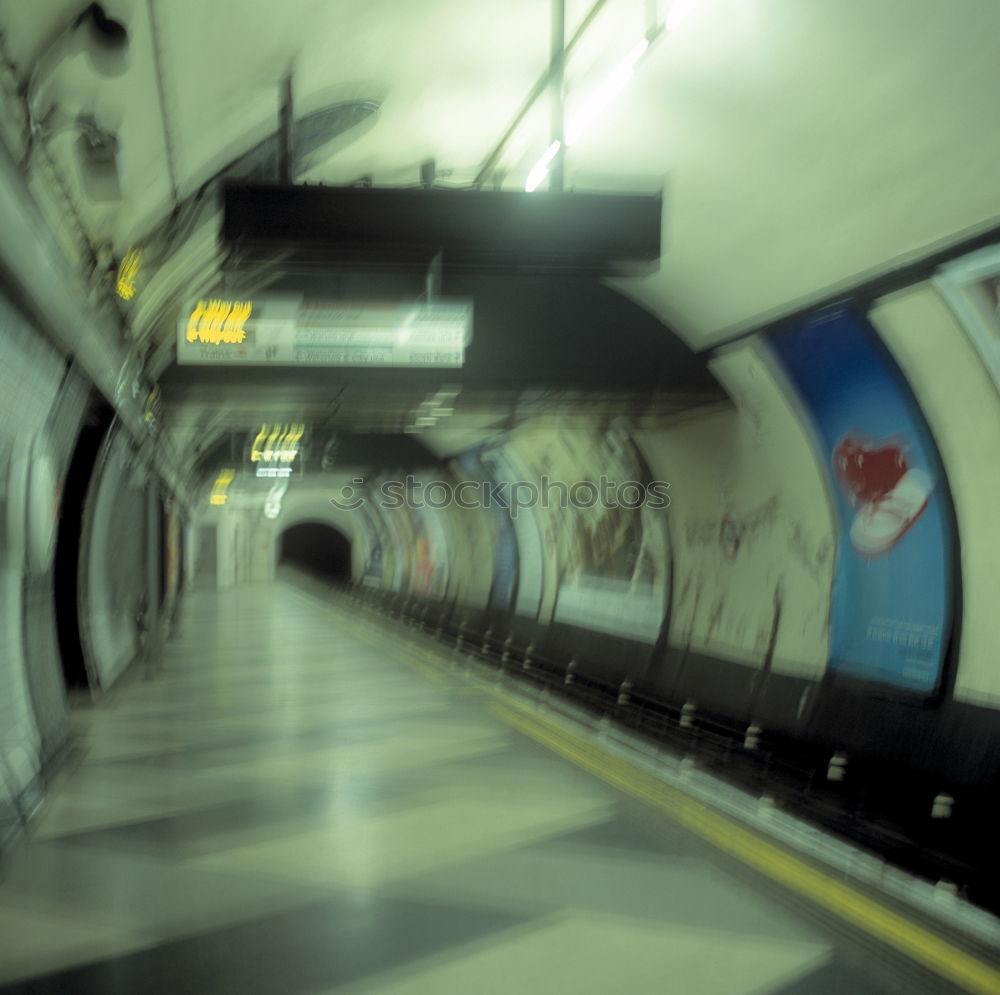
(168, 145)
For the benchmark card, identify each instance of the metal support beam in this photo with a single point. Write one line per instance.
(168, 145)
(489, 164)
(557, 66)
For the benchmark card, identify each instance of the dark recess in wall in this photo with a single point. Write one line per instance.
(67, 560)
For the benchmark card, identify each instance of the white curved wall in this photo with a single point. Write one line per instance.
(30, 376)
(751, 525)
(962, 407)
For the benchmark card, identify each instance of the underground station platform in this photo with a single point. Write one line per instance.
(302, 796)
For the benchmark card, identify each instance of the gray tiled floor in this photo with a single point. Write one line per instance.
(287, 807)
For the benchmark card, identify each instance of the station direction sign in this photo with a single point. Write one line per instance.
(289, 330)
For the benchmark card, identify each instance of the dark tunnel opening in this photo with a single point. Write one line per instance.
(318, 548)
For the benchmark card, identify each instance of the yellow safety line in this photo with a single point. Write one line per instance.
(917, 943)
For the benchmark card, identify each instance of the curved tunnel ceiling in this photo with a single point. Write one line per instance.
(799, 145)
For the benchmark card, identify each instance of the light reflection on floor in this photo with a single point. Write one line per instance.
(284, 807)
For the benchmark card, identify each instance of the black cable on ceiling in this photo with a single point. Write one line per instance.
(154, 35)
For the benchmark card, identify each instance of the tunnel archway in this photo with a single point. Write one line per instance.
(318, 547)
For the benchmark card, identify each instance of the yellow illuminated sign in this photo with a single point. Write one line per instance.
(216, 322)
(268, 453)
(222, 482)
(290, 444)
(255, 448)
(276, 443)
(128, 270)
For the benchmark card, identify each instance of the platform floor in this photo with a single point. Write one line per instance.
(293, 804)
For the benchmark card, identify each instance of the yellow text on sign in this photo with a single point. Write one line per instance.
(216, 322)
(281, 445)
(220, 490)
(128, 270)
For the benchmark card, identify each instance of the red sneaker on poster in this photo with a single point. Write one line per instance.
(887, 492)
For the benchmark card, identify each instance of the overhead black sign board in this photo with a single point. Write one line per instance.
(487, 230)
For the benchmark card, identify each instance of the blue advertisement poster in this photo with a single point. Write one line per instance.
(504, 539)
(891, 605)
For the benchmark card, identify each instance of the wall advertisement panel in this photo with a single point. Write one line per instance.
(527, 528)
(503, 539)
(893, 584)
(616, 578)
(372, 572)
(430, 549)
(606, 557)
(397, 549)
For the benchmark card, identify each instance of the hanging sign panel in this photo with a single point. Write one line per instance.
(891, 609)
(292, 331)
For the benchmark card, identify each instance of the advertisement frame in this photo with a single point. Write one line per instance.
(821, 415)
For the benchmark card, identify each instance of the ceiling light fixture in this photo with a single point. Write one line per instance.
(599, 99)
(541, 168)
(106, 40)
(680, 10)
(605, 93)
